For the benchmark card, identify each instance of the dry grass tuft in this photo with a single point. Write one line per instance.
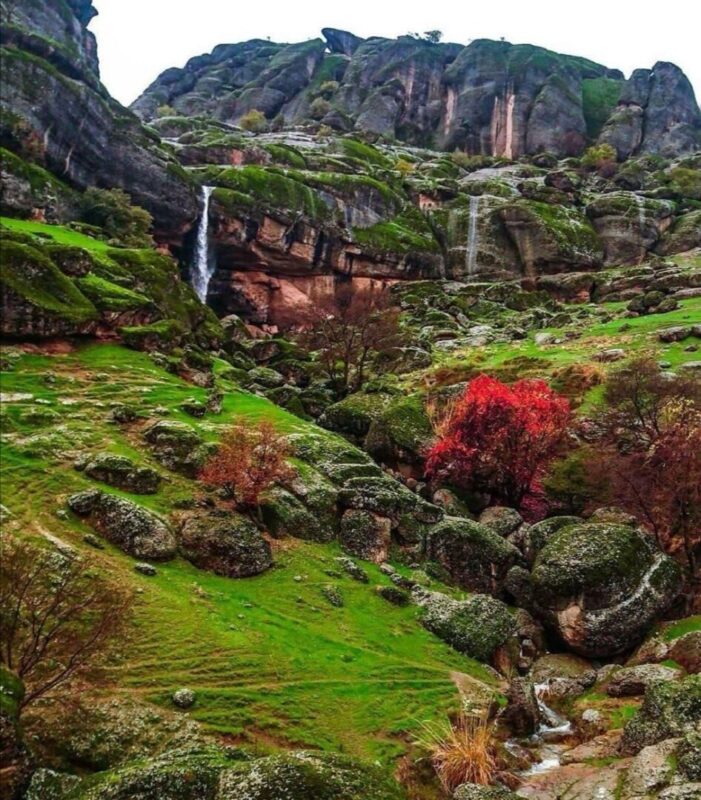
(463, 751)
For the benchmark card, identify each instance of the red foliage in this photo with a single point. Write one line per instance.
(498, 440)
(249, 459)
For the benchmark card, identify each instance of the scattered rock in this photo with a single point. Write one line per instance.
(501, 520)
(184, 698)
(393, 595)
(631, 681)
(365, 535)
(123, 473)
(127, 525)
(229, 545)
(145, 569)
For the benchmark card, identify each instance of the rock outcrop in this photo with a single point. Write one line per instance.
(489, 97)
(55, 111)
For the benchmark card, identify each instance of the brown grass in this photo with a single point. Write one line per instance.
(463, 751)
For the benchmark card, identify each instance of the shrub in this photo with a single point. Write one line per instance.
(254, 121)
(250, 459)
(599, 157)
(499, 439)
(319, 108)
(165, 111)
(112, 210)
(328, 89)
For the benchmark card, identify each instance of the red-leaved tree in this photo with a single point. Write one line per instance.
(250, 458)
(497, 440)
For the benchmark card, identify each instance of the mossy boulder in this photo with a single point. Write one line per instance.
(354, 415)
(122, 473)
(474, 556)
(539, 534)
(475, 627)
(132, 528)
(670, 709)
(366, 535)
(384, 495)
(285, 515)
(228, 544)
(177, 446)
(472, 791)
(15, 760)
(684, 235)
(401, 433)
(229, 774)
(601, 586)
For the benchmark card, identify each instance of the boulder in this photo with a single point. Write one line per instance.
(501, 520)
(177, 446)
(475, 557)
(670, 709)
(184, 698)
(132, 528)
(565, 675)
(473, 791)
(229, 545)
(686, 651)
(521, 714)
(476, 627)
(651, 770)
(366, 535)
(600, 587)
(285, 515)
(123, 473)
(631, 681)
(15, 759)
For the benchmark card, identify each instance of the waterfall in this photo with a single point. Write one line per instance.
(472, 235)
(640, 202)
(202, 265)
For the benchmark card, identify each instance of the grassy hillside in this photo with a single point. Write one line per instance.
(272, 661)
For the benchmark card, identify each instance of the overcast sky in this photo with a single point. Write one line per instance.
(138, 39)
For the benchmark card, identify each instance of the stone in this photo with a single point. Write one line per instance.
(521, 714)
(651, 770)
(123, 473)
(229, 545)
(285, 515)
(501, 520)
(177, 446)
(394, 595)
(474, 556)
(354, 570)
(565, 675)
(145, 569)
(686, 651)
(473, 791)
(365, 534)
(476, 627)
(601, 586)
(132, 528)
(631, 681)
(675, 334)
(184, 698)
(669, 710)
(16, 762)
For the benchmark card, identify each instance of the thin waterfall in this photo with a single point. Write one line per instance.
(640, 202)
(202, 265)
(472, 235)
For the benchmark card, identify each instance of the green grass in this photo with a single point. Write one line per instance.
(59, 233)
(682, 627)
(273, 664)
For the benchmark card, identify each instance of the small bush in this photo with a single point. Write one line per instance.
(319, 108)
(112, 210)
(254, 121)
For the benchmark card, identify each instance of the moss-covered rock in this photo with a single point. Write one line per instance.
(601, 586)
(123, 473)
(669, 709)
(15, 760)
(285, 515)
(476, 626)
(228, 544)
(401, 433)
(475, 557)
(383, 495)
(365, 534)
(177, 446)
(127, 525)
(354, 414)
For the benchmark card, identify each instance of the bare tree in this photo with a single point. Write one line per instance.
(57, 615)
(350, 331)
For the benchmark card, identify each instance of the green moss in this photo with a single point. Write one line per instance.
(599, 98)
(108, 296)
(26, 271)
(407, 233)
(682, 627)
(365, 153)
(285, 154)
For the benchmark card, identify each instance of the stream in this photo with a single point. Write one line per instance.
(548, 742)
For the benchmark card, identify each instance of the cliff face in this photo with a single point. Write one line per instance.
(490, 98)
(56, 113)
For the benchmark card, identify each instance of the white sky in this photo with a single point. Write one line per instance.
(138, 39)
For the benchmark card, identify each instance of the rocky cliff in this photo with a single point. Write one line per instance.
(490, 98)
(57, 115)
